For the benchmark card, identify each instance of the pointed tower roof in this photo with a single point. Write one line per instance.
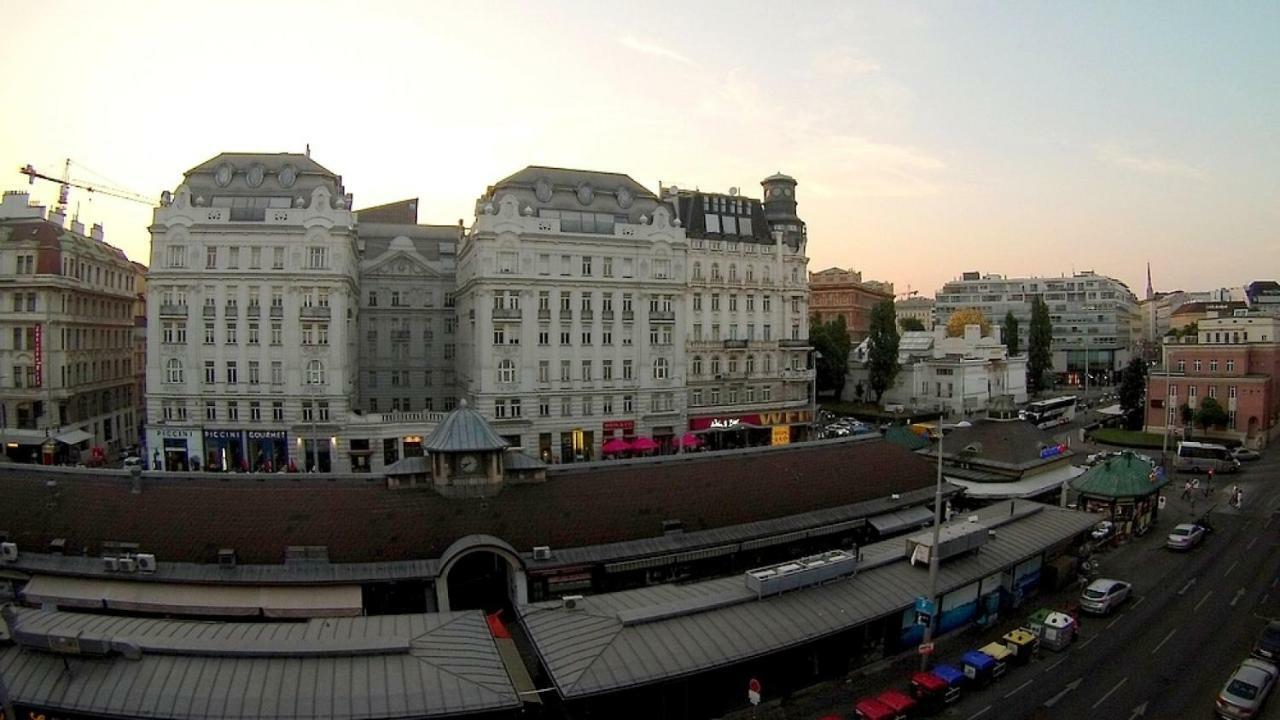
(463, 430)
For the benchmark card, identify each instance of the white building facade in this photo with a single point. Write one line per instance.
(252, 302)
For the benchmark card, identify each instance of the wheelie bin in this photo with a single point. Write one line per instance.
(979, 668)
(954, 678)
(1000, 654)
(929, 690)
(872, 709)
(902, 704)
(1022, 644)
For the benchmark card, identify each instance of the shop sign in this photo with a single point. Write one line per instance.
(39, 351)
(781, 435)
(764, 419)
(623, 425)
(173, 432)
(268, 434)
(1052, 451)
(222, 434)
(719, 424)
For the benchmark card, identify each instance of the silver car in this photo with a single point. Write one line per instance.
(1247, 690)
(1104, 595)
(1185, 537)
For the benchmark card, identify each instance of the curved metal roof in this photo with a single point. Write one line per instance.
(1120, 477)
(463, 430)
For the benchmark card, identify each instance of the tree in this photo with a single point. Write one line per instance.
(1133, 383)
(911, 324)
(1185, 413)
(1011, 333)
(1040, 340)
(967, 316)
(882, 350)
(1211, 414)
(831, 341)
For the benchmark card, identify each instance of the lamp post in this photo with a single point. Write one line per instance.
(1164, 437)
(813, 419)
(933, 550)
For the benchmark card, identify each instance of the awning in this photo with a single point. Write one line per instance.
(909, 519)
(190, 599)
(1025, 488)
(73, 437)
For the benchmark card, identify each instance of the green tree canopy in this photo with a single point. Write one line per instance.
(831, 341)
(1039, 346)
(1211, 414)
(882, 350)
(1133, 384)
(1011, 333)
(909, 324)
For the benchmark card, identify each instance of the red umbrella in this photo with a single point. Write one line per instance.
(690, 440)
(644, 444)
(615, 445)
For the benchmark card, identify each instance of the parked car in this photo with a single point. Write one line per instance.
(1247, 690)
(132, 461)
(1103, 530)
(1244, 454)
(1267, 646)
(1185, 537)
(1104, 595)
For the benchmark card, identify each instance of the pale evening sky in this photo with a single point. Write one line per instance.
(928, 139)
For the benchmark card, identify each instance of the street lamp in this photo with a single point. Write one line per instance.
(937, 533)
(1168, 409)
(814, 417)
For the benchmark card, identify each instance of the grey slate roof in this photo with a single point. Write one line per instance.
(643, 636)
(415, 465)
(434, 665)
(516, 460)
(463, 430)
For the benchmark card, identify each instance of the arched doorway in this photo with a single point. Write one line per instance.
(480, 572)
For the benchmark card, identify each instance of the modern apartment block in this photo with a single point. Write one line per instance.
(1093, 315)
(747, 312)
(67, 329)
(252, 300)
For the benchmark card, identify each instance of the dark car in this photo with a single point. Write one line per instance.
(1267, 646)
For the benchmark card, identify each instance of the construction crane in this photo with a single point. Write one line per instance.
(66, 183)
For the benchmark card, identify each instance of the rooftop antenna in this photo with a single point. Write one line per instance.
(308, 149)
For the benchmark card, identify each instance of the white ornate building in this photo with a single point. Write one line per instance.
(252, 305)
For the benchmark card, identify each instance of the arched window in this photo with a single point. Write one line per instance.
(733, 272)
(697, 365)
(506, 371)
(697, 271)
(173, 371)
(766, 275)
(661, 369)
(751, 364)
(768, 364)
(715, 271)
(715, 365)
(315, 373)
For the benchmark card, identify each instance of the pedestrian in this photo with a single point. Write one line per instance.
(1235, 494)
(1239, 497)
(1186, 490)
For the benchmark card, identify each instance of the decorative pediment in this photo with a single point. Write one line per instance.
(401, 263)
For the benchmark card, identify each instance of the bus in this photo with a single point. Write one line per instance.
(1047, 413)
(1201, 457)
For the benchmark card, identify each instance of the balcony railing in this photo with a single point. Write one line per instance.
(277, 311)
(566, 314)
(174, 310)
(544, 314)
(315, 311)
(794, 343)
(606, 314)
(506, 313)
(628, 315)
(253, 311)
(661, 316)
(735, 344)
(210, 311)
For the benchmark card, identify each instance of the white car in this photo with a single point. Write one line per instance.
(1247, 690)
(1185, 537)
(1104, 595)
(1103, 530)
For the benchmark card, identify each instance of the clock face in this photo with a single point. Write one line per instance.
(469, 463)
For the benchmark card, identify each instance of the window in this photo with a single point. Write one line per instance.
(499, 334)
(210, 410)
(628, 372)
(544, 407)
(697, 303)
(606, 266)
(564, 337)
(277, 258)
(1231, 391)
(566, 262)
(1213, 365)
(210, 372)
(628, 404)
(233, 374)
(1191, 391)
(586, 266)
(715, 272)
(544, 300)
(277, 372)
(566, 406)
(1231, 366)
(233, 257)
(544, 335)
(173, 371)
(661, 369)
(566, 371)
(506, 371)
(1213, 391)
(308, 414)
(695, 398)
(566, 301)
(733, 303)
(231, 333)
(277, 410)
(544, 371)
(586, 337)
(315, 373)
(233, 410)
(1182, 366)
(277, 333)
(255, 411)
(697, 271)
(586, 371)
(715, 302)
(317, 257)
(751, 303)
(606, 335)
(1196, 364)
(544, 264)
(211, 257)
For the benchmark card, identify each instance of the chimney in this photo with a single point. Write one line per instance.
(96, 232)
(57, 218)
(77, 227)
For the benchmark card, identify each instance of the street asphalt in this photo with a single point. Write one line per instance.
(1163, 656)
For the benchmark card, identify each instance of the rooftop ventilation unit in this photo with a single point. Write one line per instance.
(146, 562)
(804, 572)
(541, 552)
(128, 565)
(111, 564)
(571, 602)
(227, 558)
(58, 546)
(671, 527)
(8, 552)
(952, 540)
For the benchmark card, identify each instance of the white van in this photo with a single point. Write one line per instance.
(1201, 457)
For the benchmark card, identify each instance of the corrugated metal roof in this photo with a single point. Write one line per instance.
(463, 430)
(415, 465)
(433, 665)
(516, 460)
(592, 650)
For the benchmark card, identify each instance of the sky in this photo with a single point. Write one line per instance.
(928, 139)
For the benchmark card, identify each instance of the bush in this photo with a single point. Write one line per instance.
(1128, 438)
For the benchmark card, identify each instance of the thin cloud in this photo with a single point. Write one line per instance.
(843, 64)
(649, 48)
(1147, 164)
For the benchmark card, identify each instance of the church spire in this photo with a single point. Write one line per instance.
(1150, 292)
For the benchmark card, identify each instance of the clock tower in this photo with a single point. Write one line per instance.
(465, 454)
(780, 209)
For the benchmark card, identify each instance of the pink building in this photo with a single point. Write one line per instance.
(1236, 360)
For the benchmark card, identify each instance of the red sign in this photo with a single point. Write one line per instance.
(39, 350)
(926, 648)
(623, 425)
(764, 419)
(754, 685)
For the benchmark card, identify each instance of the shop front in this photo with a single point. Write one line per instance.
(268, 450)
(577, 445)
(175, 448)
(778, 427)
(224, 450)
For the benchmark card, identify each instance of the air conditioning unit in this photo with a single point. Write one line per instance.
(227, 558)
(571, 602)
(111, 564)
(9, 552)
(128, 565)
(541, 552)
(505, 270)
(146, 562)
(57, 546)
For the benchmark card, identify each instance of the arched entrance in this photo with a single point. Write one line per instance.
(480, 572)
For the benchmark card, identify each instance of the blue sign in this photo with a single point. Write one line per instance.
(925, 605)
(1052, 450)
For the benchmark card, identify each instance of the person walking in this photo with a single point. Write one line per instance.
(1186, 490)
(1239, 497)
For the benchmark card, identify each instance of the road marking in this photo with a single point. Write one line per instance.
(1252, 543)
(1233, 567)
(1188, 586)
(1206, 597)
(1061, 693)
(1156, 649)
(1114, 620)
(1104, 697)
(1139, 711)
(1138, 602)
(980, 712)
(1236, 599)
(1085, 643)
(1056, 664)
(1014, 691)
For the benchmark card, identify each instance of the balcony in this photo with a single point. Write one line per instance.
(788, 374)
(544, 313)
(735, 344)
(253, 311)
(795, 343)
(506, 313)
(566, 314)
(588, 315)
(231, 310)
(315, 311)
(173, 311)
(210, 311)
(277, 311)
(399, 335)
(661, 316)
(606, 314)
(628, 315)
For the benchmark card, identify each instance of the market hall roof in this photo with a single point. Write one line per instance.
(637, 637)
(463, 430)
(1009, 445)
(188, 518)
(1123, 476)
(426, 665)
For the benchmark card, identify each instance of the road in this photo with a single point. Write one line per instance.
(1193, 616)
